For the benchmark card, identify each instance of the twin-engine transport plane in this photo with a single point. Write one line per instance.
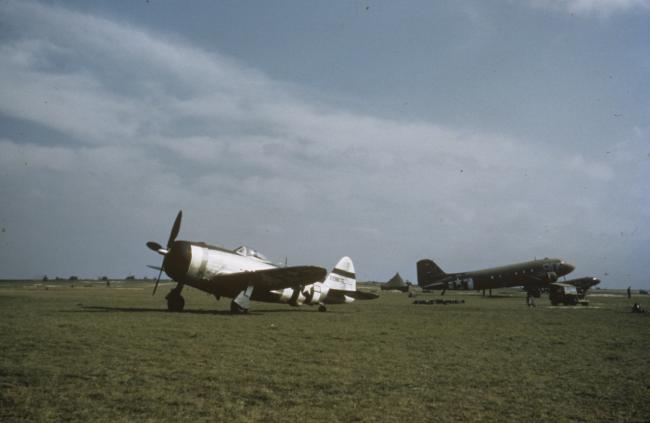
(246, 275)
(535, 276)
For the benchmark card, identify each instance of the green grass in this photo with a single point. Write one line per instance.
(95, 353)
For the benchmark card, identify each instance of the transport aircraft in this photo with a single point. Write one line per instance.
(397, 283)
(534, 276)
(245, 275)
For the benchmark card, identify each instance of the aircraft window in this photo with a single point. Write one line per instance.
(523, 271)
(516, 273)
(249, 252)
(492, 277)
(259, 255)
(500, 276)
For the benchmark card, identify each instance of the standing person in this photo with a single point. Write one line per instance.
(530, 300)
(629, 292)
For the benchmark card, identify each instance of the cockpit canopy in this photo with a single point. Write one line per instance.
(249, 252)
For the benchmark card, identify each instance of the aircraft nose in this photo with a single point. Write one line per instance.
(567, 268)
(177, 260)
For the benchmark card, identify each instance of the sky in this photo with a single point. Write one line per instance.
(475, 133)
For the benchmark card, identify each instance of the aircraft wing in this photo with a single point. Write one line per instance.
(270, 279)
(538, 279)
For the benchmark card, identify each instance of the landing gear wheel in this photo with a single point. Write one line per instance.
(322, 308)
(175, 301)
(236, 308)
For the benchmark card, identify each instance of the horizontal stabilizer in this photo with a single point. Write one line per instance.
(340, 296)
(436, 285)
(361, 295)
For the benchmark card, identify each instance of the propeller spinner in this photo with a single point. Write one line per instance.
(160, 250)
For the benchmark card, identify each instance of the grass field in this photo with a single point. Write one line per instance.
(89, 352)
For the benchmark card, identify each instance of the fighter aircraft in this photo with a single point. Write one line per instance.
(245, 275)
(396, 282)
(534, 276)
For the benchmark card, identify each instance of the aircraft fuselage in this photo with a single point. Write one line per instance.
(200, 265)
(534, 274)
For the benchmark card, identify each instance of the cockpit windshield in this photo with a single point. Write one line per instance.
(249, 252)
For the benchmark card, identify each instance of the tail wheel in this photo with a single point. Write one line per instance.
(322, 308)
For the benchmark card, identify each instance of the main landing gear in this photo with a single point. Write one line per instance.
(175, 301)
(236, 308)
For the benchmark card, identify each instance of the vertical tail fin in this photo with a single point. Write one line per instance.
(429, 272)
(342, 277)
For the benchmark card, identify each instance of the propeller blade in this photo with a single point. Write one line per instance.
(154, 246)
(157, 280)
(154, 267)
(175, 229)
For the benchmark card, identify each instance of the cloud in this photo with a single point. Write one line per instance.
(151, 124)
(593, 7)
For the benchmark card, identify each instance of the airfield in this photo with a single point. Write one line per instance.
(82, 351)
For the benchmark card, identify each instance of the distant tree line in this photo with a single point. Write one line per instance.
(45, 278)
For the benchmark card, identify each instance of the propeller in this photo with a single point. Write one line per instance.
(176, 227)
(155, 287)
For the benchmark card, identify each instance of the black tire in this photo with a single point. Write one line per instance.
(236, 309)
(175, 303)
(322, 308)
